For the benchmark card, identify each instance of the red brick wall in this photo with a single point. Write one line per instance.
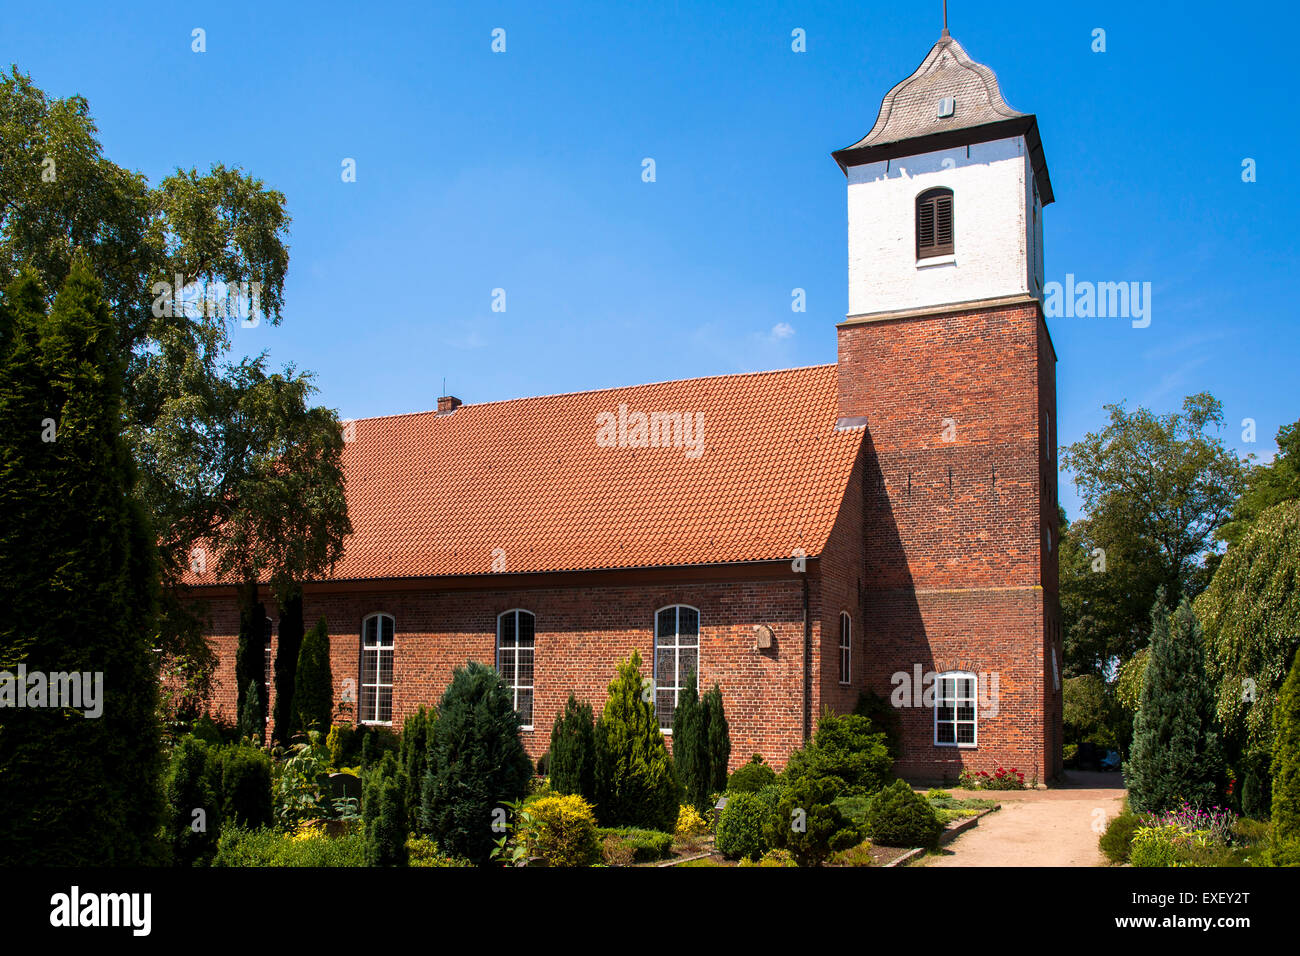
(581, 634)
(955, 498)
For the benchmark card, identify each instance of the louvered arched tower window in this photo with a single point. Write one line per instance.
(934, 230)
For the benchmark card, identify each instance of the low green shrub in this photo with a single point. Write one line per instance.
(897, 816)
(643, 846)
(857, 855)
(421, 851)
(1154, 846)
(238, 846)
(848, 751)
(751, 777)
(562, 831)
(808, 824)
(246, 786)
(1118, 838)
(741, 829)
(772, 858)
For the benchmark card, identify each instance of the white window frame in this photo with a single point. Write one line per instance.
(956, 723)
(515, 686)
(676, 647)
(268, 663)
(846, 648)
(379, 687)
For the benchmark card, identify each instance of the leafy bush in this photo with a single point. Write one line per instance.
(1118, 838)
(300, 797)
(848, 751)
(742, 826)
(690, 823)
(625, 845)
(421, 851)
(1154, 846)
(772, 858)
(857, 855)
(562, 831)
(897, 816)
(313, 682)
(476, 763)
(265, 847)
(752, 777)
(636, 784)
(344, 744)
(572, 762)
(1000, 779)
(808, 824)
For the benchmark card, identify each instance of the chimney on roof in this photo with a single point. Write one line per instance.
(448, 404)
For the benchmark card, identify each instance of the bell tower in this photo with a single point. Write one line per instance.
(946, 362)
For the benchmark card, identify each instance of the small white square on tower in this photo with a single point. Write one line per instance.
(947, 106)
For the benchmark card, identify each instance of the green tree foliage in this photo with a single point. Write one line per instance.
(718, 735)
(413, 755)
(845, 750)
(1155, 489)
(1286, 771)
(691, 748)
(234, 465)
(1176, 754)
(314, 681)
(572, 765)
(1251, 615)
(636, 785)
(78, 582)
(476, 763)
(246, 786)
(751, 777)
(808, 824)
(744, 826)
(383, 811)
(1267, 485)
(252, 723)
(250, 651)
(1091, 713)
(884, 717)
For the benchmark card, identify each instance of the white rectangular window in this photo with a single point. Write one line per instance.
(846, 648)
(677, 658)
(954, 710)
(377, 669)
(515, 653)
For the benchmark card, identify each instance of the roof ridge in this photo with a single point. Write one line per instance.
(592, 391)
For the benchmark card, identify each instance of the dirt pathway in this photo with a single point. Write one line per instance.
(1056, 827)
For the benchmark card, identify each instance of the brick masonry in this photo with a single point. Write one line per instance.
(938, 555)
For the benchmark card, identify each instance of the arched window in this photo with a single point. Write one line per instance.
(846, 647)
(677, 658)
(515, 630)
(266, 676)
(377, 669)
(954, 709)
(934, 223)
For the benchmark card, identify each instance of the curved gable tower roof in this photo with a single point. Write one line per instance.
(909, 121)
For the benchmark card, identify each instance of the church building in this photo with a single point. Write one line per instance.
(883, 524)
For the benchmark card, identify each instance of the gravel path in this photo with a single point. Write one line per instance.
(1056, 827)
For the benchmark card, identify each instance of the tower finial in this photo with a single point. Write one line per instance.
(945, 18)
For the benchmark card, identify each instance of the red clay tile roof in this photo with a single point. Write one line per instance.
(432, 494)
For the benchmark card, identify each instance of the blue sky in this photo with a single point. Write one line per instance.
(522, 170)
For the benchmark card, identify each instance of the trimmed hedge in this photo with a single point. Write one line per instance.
(752, 777)
(897, 816)
(742, 827)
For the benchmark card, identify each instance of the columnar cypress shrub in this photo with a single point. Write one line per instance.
(572, 765)
(718, 735)
(286, 667)
(476, 763)
(417, 731)
(691, 748)
(383, 812)
(252, 723)
(1286, 771)
(636, 785)
(314, 682)
(1176, 754)
(193, 794)
(78, 584)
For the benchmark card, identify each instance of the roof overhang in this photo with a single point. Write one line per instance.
(1026, 126)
